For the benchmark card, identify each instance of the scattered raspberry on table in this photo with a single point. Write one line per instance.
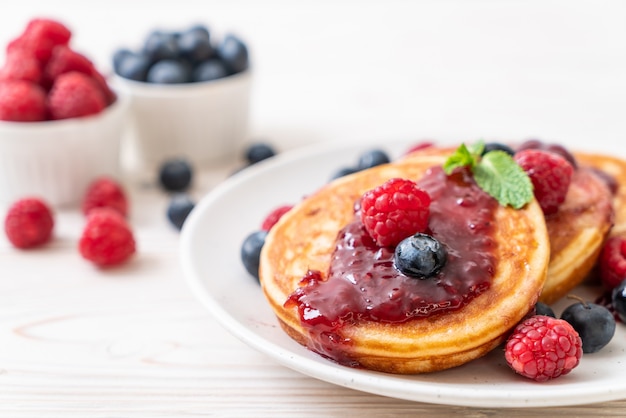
(105, 192)
(29, 223)
(107, 239)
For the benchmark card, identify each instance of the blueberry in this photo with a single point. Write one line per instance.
(210, 70)
(178, 209)
(258, 152)
(234, 53)
(618, 299)
(251, 251)
(496, 146)
(175, 175)
(594, 323)
(420, 256)
(543, 309)
(132, 65)
(169, 72)
(344, 171)
(372, 158)
(195, 44)
(119, 56)
(160, 45)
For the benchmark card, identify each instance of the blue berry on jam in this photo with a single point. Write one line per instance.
(618, 300)
(258, 152)
(420, 256)
(251, 252)
(594, 323)
(544, 309)
(169, 72)
(180, 206)
(496, 146)
(372, 158)
(175, 175)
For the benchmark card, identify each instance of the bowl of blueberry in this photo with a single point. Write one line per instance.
(189, 94)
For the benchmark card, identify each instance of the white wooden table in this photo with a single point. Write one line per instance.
(76, 341)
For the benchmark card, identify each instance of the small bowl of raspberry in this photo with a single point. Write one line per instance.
(189, 96)
(61, 123)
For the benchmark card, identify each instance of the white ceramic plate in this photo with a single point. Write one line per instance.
(211, 240)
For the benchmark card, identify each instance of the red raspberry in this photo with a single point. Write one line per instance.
(22, 101)
(612, 262)
(63, 60)
(107, 239)
(550, 174)
(74, 95)
(273, 217)
(395, 210)
(105, 192)
(29, 223)
(543, 348)
(40, 37)
(419, 146)
(20, 65)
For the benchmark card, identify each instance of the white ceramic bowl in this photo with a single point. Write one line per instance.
(56, 160)
(203, 122)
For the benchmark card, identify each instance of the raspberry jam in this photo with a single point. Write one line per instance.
(362, 283)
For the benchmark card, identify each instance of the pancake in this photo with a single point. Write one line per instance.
(577, 231)
(579, 228)
(304, 240)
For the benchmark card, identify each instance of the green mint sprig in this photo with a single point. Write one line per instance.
(495, 172)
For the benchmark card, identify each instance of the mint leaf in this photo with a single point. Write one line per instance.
(462, 157)
(500, 176)
(477, 148)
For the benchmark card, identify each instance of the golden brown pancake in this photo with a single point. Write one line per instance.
(304, 240)
(577, 232)
(579, 228)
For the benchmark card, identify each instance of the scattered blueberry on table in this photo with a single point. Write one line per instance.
(180, 206)
(175, 175)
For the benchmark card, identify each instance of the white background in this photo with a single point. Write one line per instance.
(349, 70)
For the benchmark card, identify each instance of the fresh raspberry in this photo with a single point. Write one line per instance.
(543, 348)
(109, 95)
(550, 174)
(29, 223)
(74, 95)
(107, 239)
(395, 210)
(22, 101)
(105, 192)
(419, 146)
(20, 65)
(40, 37)
(273, 217)
(612, 262)
(551, 147)
(63, 60)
